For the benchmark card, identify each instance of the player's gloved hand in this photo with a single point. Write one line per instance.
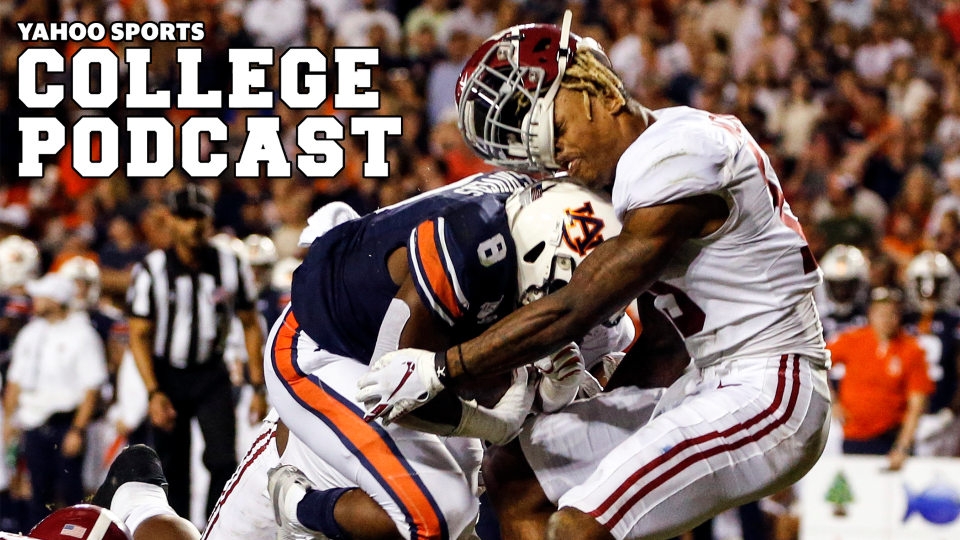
(399, 382)
(502, 423)
(562, 374)
(603, 339)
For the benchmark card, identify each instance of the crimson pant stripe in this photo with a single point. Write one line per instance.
(688, 443)
(248, 460)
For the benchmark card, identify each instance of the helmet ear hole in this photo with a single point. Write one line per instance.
(534, 253)
(556, 285)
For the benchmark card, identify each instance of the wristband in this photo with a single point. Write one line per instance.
(441, 369)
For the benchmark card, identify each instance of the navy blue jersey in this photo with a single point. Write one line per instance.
(941, 346)
(460, 255)
(835, 324)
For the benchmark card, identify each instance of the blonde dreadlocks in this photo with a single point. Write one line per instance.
(592, 77)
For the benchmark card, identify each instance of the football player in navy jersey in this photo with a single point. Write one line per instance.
(933, 290)
(106, 320)
(434, 270)
(262, 255)
(19, 263)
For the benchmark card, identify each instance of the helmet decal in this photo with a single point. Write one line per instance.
(582, 229)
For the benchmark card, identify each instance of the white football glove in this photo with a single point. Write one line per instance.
(502, 423)
(604, 339)
(399, 382)
(562, 374)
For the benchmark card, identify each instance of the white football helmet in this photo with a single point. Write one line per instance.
(931, 276)
(83, 269)
(554, 226)
(19, 262)
(260, 250)
(846, 276)
(844, 263)
(282, 276)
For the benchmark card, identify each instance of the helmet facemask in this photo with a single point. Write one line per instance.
(930, 287)
(932, 280)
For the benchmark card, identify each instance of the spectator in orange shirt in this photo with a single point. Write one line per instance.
(885, 383)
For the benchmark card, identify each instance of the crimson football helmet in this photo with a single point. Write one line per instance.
(505, 93)
(81, 522)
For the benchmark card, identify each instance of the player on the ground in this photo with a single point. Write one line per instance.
(707, 231)
(135, 490)
(434, 270)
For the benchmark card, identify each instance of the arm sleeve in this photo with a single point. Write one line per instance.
(139, 295)
(464, 265)
(687, 158)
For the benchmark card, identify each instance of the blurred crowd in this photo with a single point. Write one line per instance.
(857, 103)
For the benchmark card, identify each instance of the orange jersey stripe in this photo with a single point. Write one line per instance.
(361, 434)
(433, 267)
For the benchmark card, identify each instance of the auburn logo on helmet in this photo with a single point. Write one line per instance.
(582, 229)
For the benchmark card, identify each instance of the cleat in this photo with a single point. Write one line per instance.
(287, 485)
(138, 463)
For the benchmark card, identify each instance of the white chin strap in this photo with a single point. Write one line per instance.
(539, 121)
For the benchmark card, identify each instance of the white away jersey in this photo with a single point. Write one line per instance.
(746, 289)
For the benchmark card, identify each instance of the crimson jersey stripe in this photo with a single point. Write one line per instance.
(252, 455)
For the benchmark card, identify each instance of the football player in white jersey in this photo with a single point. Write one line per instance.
(706, 230)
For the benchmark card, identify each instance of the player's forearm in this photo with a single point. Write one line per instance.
(615, 274)
(542, 328)
(916, 404)
(253, 338)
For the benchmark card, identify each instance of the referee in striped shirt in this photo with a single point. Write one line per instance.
(181, 302)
